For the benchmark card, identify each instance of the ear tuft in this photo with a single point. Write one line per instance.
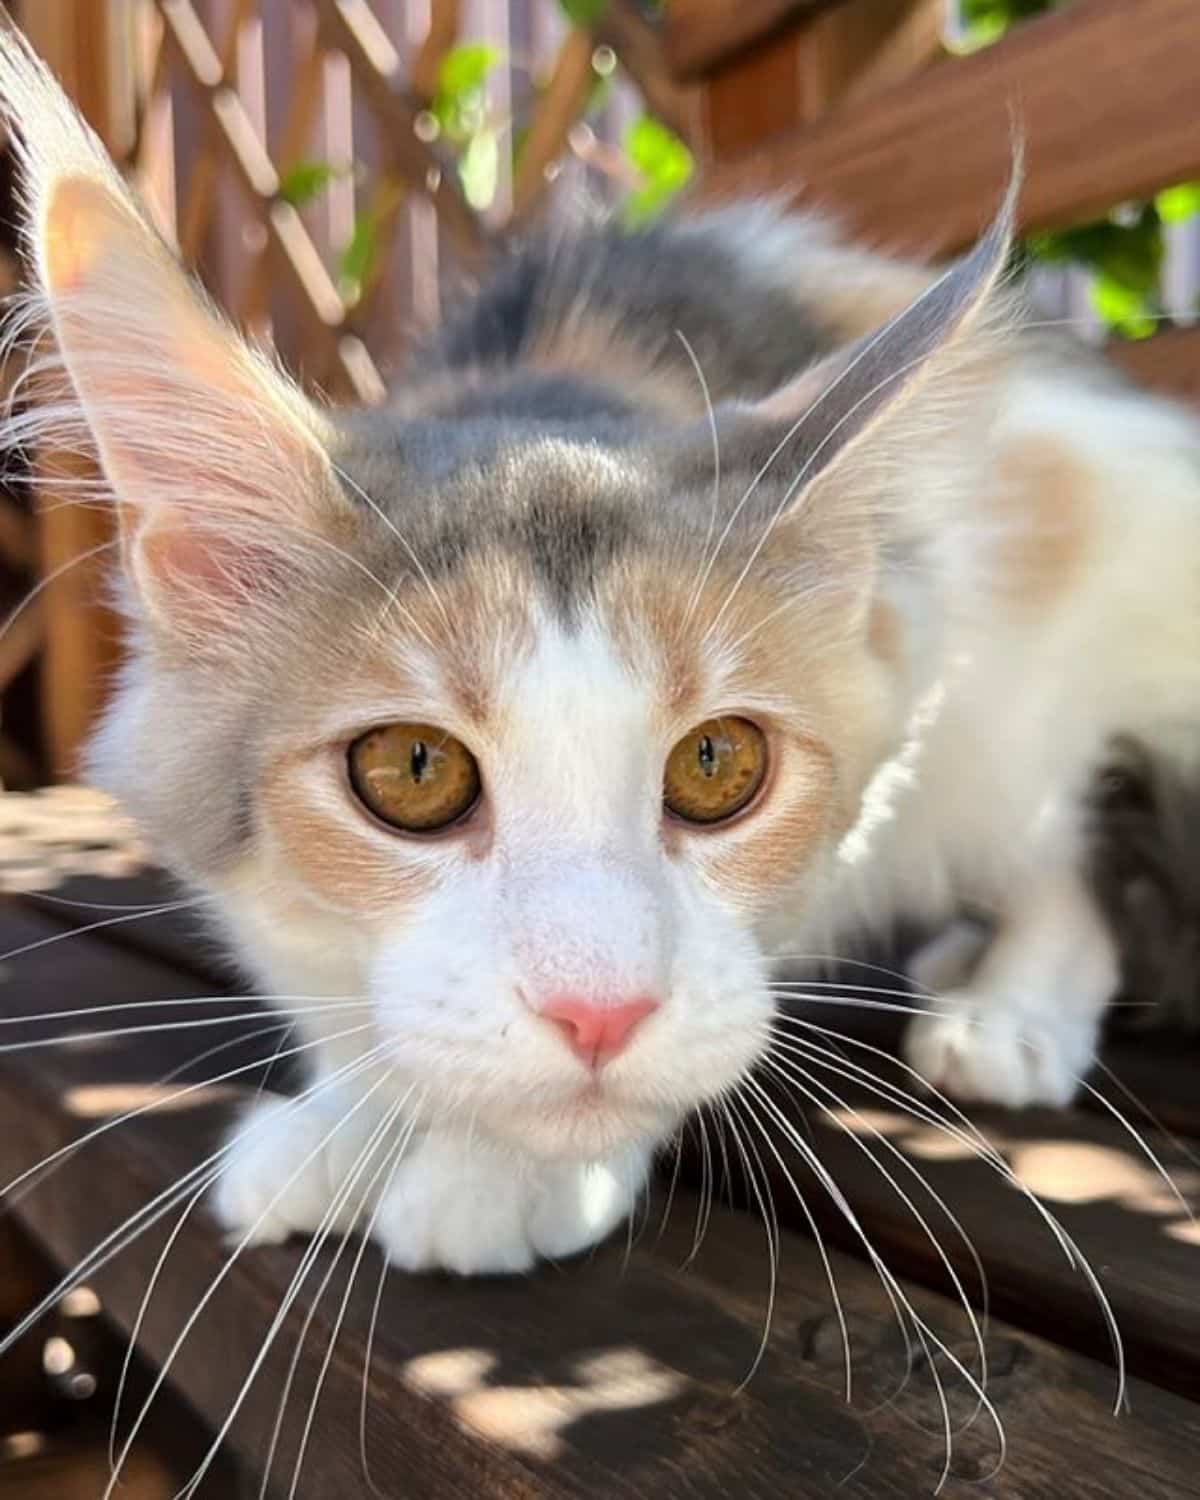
(832, 406)
(217, 463)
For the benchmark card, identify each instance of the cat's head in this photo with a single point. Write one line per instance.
(522, 732)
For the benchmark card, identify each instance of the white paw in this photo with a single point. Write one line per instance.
(477, 1209)
(285, 1167)
(976, 1049)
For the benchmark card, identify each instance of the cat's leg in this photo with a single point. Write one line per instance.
(1022, 1028)
(449, 1202)
(464, 1204)
(288, 1161)
(946, 961)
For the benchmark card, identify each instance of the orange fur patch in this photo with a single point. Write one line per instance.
(588, 347)
(1040, 500)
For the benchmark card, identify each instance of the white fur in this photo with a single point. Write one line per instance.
(988, 813)
(973, 764)
(520, 1151)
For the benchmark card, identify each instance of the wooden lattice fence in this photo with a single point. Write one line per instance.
(309, 158)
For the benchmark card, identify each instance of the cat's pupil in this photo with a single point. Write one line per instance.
(707, 753)
(418, 760)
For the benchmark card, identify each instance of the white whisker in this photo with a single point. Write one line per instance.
(766, 1208)
(359, 1065)
(390, 1165)
(892, 1287)
(979, 1146)
(694, 598)
(317, 1241)
(38, 1169)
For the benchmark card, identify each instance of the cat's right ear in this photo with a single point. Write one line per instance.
(218, 465)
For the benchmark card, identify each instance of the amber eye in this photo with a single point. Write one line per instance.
(414, 776)
(714, 771)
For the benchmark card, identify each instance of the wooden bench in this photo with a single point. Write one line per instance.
(636, 1370)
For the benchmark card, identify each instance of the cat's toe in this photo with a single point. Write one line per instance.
(477, 1211)
(278, 1177)
(443, 1211)
(582, 1203)
(978, 1052)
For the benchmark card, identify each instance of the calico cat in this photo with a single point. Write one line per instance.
(701, 596)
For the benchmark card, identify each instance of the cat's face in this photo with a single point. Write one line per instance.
(477, 798)
(517, 731)
(472, 772)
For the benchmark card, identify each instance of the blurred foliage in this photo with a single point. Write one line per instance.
(1124, 251)
(583, 12)
(306, 180)
(663, 163)
(459, 120)
(985, 20)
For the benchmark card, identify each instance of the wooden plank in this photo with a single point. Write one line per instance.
(1151, 1256)
(1103, 93)
(795, 76)
(752, 101)
(617, 1377)
(445, 21)
(560, 104)
(1096, 1177)
(839, 46)
(910, 45)
(82, 44)
(701, 33)
(1168, 363)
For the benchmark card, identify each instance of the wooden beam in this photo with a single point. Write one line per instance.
(561, 104)
(699, 34)
(1168, 363)
(1103, 92)
(88, 46)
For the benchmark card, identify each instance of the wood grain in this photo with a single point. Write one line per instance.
(1102, 92)
(1090, 1174)
(701, 33)
(618, 1377)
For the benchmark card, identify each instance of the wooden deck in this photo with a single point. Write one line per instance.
(625, 1374)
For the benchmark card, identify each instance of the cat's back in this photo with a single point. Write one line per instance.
(716, 306)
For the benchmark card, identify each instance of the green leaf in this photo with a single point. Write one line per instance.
(306, 180)
(986, 21)
(358, 258)
(478, 169)
(465, 68)
(1128, 252)
(583, 12)
(663, 163)
(1128, 313)
(458, 103)
(1177, 203)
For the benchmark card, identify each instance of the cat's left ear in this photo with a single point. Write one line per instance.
(853, 415)
(217, 463)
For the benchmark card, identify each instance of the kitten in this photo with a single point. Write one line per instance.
(516, 725)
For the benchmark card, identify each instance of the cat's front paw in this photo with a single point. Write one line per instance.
(977, 1049)
(474, 1208)
(286, 1161)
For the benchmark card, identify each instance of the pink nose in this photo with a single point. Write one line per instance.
(595, 1032)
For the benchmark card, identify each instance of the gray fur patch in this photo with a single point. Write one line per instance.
(1144, 823)
(748, 334)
